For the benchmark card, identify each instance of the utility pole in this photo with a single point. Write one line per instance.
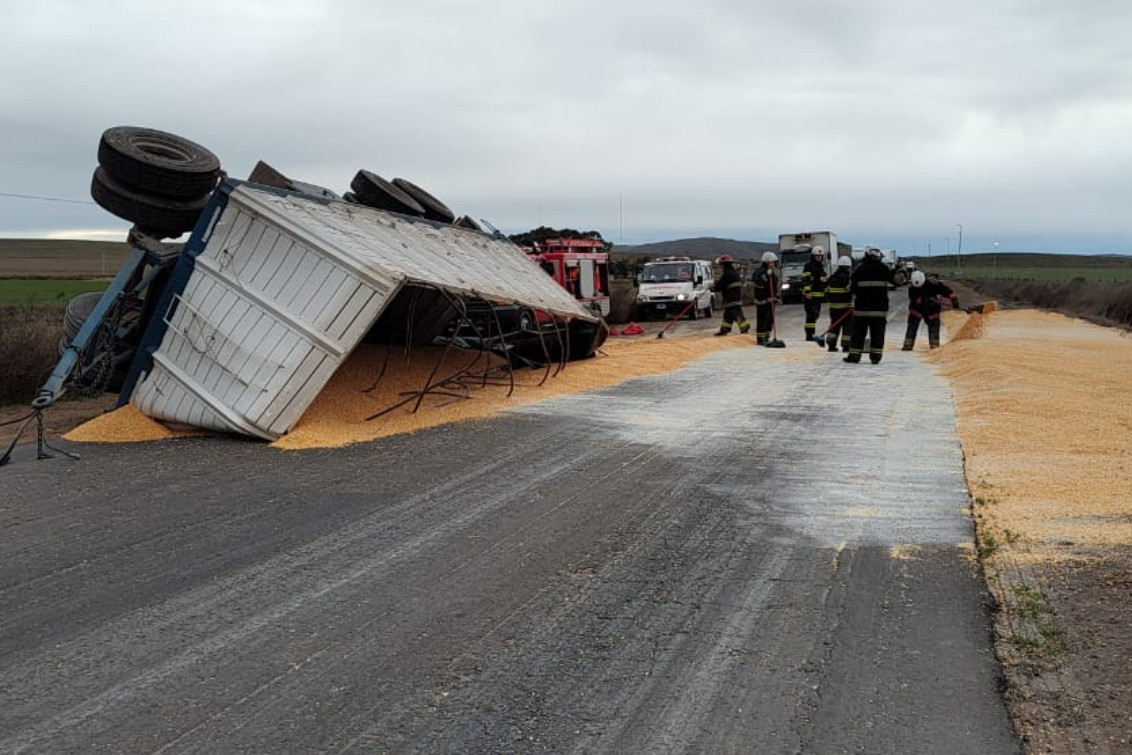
(994, 261)
(959, 251)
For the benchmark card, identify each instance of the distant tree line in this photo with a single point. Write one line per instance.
(542, 233)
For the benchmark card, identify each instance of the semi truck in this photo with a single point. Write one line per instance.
(240, 326)
(794, 250)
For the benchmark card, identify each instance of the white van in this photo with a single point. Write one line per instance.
(668, 285)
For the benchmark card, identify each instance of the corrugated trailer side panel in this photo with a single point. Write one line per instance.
(259, 329)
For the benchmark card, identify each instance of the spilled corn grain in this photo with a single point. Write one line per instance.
(338, 416)
(1045, 419)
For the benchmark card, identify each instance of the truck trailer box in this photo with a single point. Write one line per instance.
(275, 289)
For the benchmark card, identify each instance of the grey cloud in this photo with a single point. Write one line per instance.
(878, 114)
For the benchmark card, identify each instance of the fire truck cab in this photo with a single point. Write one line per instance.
(581, 266)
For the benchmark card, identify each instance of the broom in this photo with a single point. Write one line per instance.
(691, 304)
(820, 340)
(774, 343)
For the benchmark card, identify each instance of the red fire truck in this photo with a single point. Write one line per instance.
(581, 266)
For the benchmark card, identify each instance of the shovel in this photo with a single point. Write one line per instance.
(820, 340)
(977, 309)
(691, 304)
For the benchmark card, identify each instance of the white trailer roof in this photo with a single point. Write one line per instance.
(281, 287)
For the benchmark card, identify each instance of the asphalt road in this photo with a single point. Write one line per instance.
(765, 552)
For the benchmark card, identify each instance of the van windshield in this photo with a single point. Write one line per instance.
(795, 258)
(668, 272)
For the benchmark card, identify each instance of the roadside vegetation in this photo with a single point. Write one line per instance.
(45, 292)
(29, 348)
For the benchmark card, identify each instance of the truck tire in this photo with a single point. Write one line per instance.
(374, 191)
(77, 312)
(88, 373)
(466, 222)
(434, 209)
(160, 217)
(155, 162)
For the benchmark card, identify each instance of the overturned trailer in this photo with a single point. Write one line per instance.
(274, 289)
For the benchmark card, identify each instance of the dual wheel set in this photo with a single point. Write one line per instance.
(161, 182)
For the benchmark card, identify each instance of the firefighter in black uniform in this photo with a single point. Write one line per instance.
(731, 286)
(869, 285)
(766, 294)
(840, 305)
(813, 288)
(924, 304)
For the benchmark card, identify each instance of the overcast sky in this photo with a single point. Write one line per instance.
(891, 122)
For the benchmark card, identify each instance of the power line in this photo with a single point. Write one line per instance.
(45, 199)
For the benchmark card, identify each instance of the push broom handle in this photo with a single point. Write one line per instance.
(691, 304)
(838, 322)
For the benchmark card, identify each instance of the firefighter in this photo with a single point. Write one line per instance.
(813, 288)
(924, 303)
(840, 305)
(869, 286)
(766, 294)
(731, 286)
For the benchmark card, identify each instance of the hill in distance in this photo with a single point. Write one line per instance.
(705, 248)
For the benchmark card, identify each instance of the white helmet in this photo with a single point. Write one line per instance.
(770, 257)
(818, 251)
(873, 251)
(918, 279)
(844, 262)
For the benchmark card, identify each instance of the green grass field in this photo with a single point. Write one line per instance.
(45, 292)
(1096, 274)
(1036, 267)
